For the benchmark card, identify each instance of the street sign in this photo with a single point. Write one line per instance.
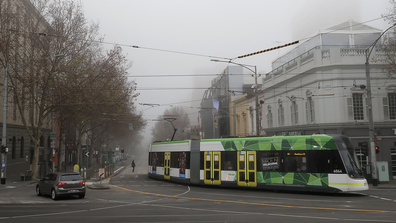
(52, 145)
(102, 173)
(53, 135)
(87, 154)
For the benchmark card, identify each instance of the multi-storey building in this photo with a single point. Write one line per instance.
(319, 87)
(215, 102)
(18, 160)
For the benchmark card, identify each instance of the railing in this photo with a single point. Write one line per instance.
(346, 51)
(353, 52)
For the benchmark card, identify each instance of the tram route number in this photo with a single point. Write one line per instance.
(337, 171)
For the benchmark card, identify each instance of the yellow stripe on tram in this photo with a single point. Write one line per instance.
(350, 184)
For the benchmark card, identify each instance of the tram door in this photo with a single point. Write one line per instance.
(167, 165)
(212, 168)
(247, 168)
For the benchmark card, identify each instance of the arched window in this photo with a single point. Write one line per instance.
(281, 113)
(269, 117)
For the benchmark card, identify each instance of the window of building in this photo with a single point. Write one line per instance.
(294, 112)
(251, 110)
(281, 114)
(310, 110)
(390, 106)
(22, 147)
(355, 107)
(269, 117)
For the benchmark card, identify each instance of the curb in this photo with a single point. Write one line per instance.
(104, 187)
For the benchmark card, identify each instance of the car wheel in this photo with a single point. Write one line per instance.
(81, 195)
(53, 195)
(38, 191)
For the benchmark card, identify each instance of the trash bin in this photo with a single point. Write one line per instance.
(367, 173)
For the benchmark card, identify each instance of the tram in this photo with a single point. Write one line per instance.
(320, 163)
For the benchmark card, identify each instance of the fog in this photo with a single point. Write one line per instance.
(178, 38)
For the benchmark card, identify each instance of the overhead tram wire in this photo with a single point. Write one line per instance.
(177, 52)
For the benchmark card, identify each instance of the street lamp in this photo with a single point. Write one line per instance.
(373, 155)
(255, 91)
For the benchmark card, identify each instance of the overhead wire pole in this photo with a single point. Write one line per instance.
(373, 156)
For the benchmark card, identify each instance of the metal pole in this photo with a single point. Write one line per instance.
(4, 138)
(53, 141)
(234, 115)
(372, 153)
(257, 103)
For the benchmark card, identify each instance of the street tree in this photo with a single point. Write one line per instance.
(37, 41)
(389, 44)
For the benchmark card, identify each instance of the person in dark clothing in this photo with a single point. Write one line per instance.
(133, 165)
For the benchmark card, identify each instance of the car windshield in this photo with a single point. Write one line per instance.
(70, 177)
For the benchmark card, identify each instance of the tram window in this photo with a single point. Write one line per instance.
(337, 166)
(202, 154)
(174, 160)
(318, 161)
(160, 159)
(229, 160)
(296, 162)
(269, 161)
(187, 160)
(150, 159)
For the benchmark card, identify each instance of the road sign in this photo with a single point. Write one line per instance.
(53, 135)
(76, 168)
(87, 154)
(52, 145)
(102, 173)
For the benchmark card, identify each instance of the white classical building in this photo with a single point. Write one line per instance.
(319, 88)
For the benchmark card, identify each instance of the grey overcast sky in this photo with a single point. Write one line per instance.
(200, 29)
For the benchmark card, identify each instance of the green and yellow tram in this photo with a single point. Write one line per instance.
(306, 163)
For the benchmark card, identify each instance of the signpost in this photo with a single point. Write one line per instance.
(76, 168)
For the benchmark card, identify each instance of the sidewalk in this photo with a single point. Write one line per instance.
(15, 181)
(388, 185)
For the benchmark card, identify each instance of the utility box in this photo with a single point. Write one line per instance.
(383, 172)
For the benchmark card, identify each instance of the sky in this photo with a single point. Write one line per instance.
(178, 38)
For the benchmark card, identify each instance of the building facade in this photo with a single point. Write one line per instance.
(320, 87)
(215, 103)
(18, 160)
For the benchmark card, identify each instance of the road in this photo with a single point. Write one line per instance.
(133, 197)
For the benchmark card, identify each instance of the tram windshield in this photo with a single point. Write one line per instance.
(346, 150)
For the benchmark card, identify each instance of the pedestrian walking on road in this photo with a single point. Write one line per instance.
(133, 165)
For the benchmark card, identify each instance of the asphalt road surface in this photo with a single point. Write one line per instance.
(133, 197)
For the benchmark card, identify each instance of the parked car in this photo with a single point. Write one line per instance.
(61, 184)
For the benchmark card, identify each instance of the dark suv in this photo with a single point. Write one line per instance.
(59, 184)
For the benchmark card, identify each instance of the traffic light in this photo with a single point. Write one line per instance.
(4, 149)
(376, 149)
(363, 148)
